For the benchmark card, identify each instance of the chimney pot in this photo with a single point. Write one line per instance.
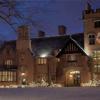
(62, 30)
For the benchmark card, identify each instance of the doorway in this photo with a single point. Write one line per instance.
(73, 78)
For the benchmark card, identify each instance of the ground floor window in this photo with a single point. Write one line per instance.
(8, 76)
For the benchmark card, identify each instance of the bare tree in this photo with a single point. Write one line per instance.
(18, 12)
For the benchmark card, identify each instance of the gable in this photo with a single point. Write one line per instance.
(71, 47)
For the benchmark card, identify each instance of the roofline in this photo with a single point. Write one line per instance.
(78, 45)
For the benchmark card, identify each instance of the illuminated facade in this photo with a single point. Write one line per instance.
(67, 60)
(91, 19)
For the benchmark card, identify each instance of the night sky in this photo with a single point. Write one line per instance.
(47, 15)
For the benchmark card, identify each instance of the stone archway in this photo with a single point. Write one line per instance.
(72, 76)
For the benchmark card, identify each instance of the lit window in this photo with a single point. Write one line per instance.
(8, 62)
(97, 68)
(96, 59)
(71, 57)
(8, 76)
(96, 54)
(97, 24)
(91, 39)
(41, 60)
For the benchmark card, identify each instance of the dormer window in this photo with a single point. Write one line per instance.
(8, 62)
(71, 57)
(91, 39)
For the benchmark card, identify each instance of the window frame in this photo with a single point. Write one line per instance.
(70, 57)
(96, 59)
(41, 60)
(8, 76)
(8, 62)
(91, 39)
(97, 23)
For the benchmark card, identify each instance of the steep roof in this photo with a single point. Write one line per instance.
(11, 43)
(71, 46)
(79, 37)
(48, 44)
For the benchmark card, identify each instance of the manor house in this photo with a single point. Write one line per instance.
(69, 60)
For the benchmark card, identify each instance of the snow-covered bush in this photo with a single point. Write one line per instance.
(43, 83)
(55, 85)
(92, 83)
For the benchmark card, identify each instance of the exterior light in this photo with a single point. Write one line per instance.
(22, 74)
(74, 72)
(44, 55)
(71, 76)
(24, 80)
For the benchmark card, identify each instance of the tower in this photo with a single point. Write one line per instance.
(91, 20)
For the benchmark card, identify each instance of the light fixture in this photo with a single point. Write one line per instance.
(70, 75)
(23, 74)
(44, 55)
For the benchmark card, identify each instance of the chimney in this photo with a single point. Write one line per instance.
(23, 32)
(41, 34)
(61, 30)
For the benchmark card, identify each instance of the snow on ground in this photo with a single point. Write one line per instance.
(68, 93)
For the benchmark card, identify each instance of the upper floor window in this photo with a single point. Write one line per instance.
(97, 24)
(91, 39)
(8, 62)
(41, 60)
(96, 60)
(97, 68)
(71, 57)
(96, 54)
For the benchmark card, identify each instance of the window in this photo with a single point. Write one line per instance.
(91, 39)
(97, 68)
(41, 60)
(96, 55)
(97, 24)
(98, 38)
(8, 62)
(71, 57)
(96, 59)
(8, 76)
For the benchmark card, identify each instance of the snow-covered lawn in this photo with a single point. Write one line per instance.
(69, 93)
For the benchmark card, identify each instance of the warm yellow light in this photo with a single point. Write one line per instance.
(71, 76)
(24, 80)
(22, 74)
(74, 72)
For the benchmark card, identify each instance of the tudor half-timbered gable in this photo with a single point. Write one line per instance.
(72, 68)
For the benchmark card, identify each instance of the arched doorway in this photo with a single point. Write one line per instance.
(73, 78)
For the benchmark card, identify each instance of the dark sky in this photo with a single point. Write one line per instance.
(48, 14)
